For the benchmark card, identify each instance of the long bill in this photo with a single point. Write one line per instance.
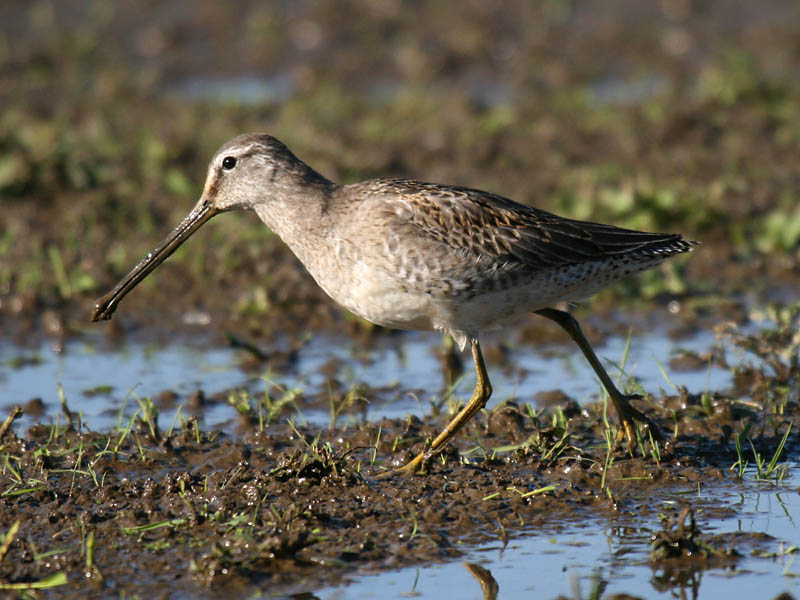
(105, 306)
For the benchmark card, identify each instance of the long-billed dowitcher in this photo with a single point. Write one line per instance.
(412, 255)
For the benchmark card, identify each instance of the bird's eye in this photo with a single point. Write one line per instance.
(228, 163)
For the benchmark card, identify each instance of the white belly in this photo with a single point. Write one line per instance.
(375, 296)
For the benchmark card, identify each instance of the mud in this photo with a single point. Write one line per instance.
(283, 509)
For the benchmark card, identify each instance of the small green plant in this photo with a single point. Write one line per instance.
(124, 432)
(664, 374)
(415, 524)
(68, 284)
(765, 472)
(546, 446)
(376, 445)
(448, 398)
(264, 409)
(610, 443)
(336, 408)
(15, 414)
(275, 407)
(559, 419)
(707, 404)
(148, 413)
(92, 570)
(54, 580)
(740, 466)
(655, 448)
(538, 491)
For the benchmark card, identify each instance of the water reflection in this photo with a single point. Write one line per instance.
(608, 557)
(489, 585)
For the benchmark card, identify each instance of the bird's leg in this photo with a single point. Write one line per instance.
(627, 413)
(483, 389)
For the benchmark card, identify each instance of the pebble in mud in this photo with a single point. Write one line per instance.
(196, 400)
(34, 407)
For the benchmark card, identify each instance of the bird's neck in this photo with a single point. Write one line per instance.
(299, 214)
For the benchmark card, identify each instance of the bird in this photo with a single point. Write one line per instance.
(412, 255)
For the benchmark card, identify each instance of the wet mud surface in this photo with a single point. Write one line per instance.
(673, 116)
(283, 508)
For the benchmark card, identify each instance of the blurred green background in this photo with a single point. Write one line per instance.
(675, 115)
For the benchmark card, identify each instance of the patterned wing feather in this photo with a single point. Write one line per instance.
(485, 225)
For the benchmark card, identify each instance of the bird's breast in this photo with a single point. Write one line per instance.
(371, 291)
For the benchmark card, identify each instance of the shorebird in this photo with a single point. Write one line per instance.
(412, 255)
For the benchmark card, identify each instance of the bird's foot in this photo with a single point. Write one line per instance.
(416, 465)
(629, 418)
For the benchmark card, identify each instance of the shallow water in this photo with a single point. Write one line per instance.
(571, 558)
(102, 384)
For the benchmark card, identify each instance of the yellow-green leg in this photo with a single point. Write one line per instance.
(627, 413)
(483, 389)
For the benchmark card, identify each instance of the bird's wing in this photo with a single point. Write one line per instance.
(488, 226)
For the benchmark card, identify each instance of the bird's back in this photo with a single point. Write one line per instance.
(477, 225)
(461, 259)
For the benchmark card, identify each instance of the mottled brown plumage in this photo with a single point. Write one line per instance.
(414, 255)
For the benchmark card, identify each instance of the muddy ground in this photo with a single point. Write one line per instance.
(282, 509)
(675, 115)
